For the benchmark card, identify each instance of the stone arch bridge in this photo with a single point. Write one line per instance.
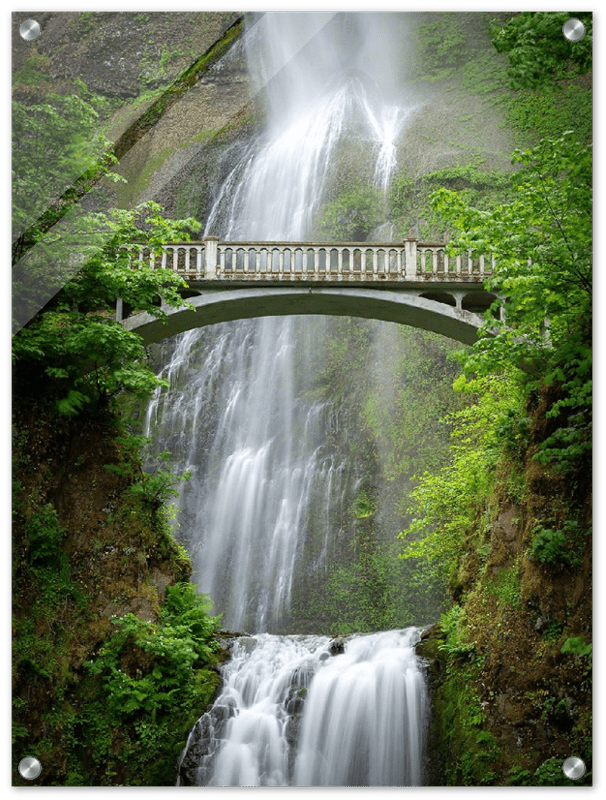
(409, 282)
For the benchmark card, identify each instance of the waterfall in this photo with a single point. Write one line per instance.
(241, 418)
(308, 711)
(242, 423)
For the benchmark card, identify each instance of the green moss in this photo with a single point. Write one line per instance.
(551, 113)
(128, 193)
(506, 587)
(34, 72)
(468, 749)
(440, 47)
(364, 506)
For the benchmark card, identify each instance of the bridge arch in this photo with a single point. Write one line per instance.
(212, 306)
(478, 301)
(440, 297)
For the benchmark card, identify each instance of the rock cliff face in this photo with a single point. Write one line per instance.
(118, 54)
(165, 85)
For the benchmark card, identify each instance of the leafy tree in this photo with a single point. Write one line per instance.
(75, 344)
(444, 504)
(59, 149)
(539, 54)
(542, 242)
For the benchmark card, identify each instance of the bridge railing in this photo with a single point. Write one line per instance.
(409, 260)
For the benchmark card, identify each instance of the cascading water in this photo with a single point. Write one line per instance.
(241, 418)
(308, 711)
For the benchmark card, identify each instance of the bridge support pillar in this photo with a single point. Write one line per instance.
(411, 258)
(211, 252)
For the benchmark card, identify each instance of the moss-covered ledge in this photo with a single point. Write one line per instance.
(434, 661)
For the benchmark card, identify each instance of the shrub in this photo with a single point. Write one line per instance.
(44, 534)
(558, 547)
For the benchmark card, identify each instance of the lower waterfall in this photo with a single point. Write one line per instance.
(314, 711)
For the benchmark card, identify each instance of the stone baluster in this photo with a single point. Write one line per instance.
(211, 247)
(410, 249)
(198, 262)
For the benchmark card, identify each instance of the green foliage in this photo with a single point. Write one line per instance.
(74, 344)
(156, 489)
(550, 113)
(155, 679)
(468, 749)
(583, 654)
(441, 46)
(445, 504)
(353, 215)
(99, 708)
(513, 430)
(558, 547)
(552, 630)
(86, 23)
(182, 641)
(538, 52)
(410, 198)
(364, 506)
(57, 140)
(44, 534)
(33, 72)
(550, 773)
(542, 242)
(405, 412)
(519, 776)
(507, 587)
(576, 646)
(548, 546)
(364, 596)
(453, 625)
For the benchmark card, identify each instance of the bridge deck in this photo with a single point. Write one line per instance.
(212, 260)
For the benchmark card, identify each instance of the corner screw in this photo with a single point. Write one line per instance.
(30, 768)
(30, 30)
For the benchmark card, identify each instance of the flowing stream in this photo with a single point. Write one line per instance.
(242, 419)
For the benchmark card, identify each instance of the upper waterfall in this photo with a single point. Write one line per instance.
(258, 449)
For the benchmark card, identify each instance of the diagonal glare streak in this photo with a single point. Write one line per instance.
(68, 245)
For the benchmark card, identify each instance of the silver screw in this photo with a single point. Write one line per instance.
(573, 29)
(573, 768)
(30, 768)
(30, 30)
